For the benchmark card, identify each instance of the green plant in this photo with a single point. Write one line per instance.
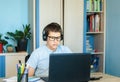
(20, 37)
(3, 41)
(18, 34)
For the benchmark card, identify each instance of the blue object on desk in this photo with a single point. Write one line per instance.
(95, 63)
(2, 66)
(33, 79)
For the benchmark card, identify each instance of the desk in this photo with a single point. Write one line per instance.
(105, 78)
(14, 80)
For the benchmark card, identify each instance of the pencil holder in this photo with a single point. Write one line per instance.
(24, 77)
(18, 77)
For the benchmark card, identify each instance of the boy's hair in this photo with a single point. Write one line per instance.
(53, 27)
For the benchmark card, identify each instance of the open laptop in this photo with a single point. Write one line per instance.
(69, 67)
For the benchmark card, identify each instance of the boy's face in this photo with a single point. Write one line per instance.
(53, 40)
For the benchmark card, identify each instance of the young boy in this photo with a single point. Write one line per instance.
(39, 59)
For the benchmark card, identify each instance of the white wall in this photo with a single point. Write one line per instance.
(73, 24)
(49, 11)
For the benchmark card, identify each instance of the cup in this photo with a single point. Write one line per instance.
(18, 77)
(22, 77)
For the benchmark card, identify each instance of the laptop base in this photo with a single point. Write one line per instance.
(46, 80)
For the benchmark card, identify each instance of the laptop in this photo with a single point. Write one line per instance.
(69, 67)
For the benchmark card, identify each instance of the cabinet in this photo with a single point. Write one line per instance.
(69, 14)
(2, 66)
(49, 11)
(73, 24)
(9, 61)
(95, 31)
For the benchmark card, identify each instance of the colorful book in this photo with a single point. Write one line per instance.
(91, 5)
(88, 24)
(97, 23)
(95, 5)
(98, 5)
(88, 5)
(90, 44)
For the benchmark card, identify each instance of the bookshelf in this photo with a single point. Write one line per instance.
(95, 31)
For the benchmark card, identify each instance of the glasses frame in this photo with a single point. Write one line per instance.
(53, 38)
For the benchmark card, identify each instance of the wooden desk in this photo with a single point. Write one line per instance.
(105, 78)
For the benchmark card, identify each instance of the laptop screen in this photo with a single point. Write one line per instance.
(69, 67)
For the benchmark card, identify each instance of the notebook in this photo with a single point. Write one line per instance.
(69, 67)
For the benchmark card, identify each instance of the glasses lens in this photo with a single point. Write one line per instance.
(52, 38)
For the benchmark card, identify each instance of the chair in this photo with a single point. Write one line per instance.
(27, 57)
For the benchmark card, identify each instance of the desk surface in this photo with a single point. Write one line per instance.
(105, 78)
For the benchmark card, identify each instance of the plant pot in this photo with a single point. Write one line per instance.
(10, 48)
(22, 45)
(1, 48)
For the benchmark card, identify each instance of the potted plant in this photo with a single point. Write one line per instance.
(2, 43)
(21, 37)
(9, 48)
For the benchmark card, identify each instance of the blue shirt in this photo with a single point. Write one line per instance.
(39, 59)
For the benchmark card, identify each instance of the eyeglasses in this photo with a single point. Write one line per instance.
(52, 38)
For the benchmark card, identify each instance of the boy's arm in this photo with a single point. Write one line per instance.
(31, 71)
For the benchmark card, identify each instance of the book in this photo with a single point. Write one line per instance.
(91, 23)
(97, 23)
(95, 5)
(88, 24)
(98, 5)
(88, 5)
(89, 43)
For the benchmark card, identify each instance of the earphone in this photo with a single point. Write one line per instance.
(45, 35)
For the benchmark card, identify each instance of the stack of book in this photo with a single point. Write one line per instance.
(94, 5)
(94, 23)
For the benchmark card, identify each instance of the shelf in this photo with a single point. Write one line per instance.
(94, 12)
(95, 32)
(97, 53)
(14, 54)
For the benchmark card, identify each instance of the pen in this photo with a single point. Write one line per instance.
(20, 62)
(24, 75)
(18, 73)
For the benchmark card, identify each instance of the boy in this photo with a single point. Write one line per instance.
(39, 59)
